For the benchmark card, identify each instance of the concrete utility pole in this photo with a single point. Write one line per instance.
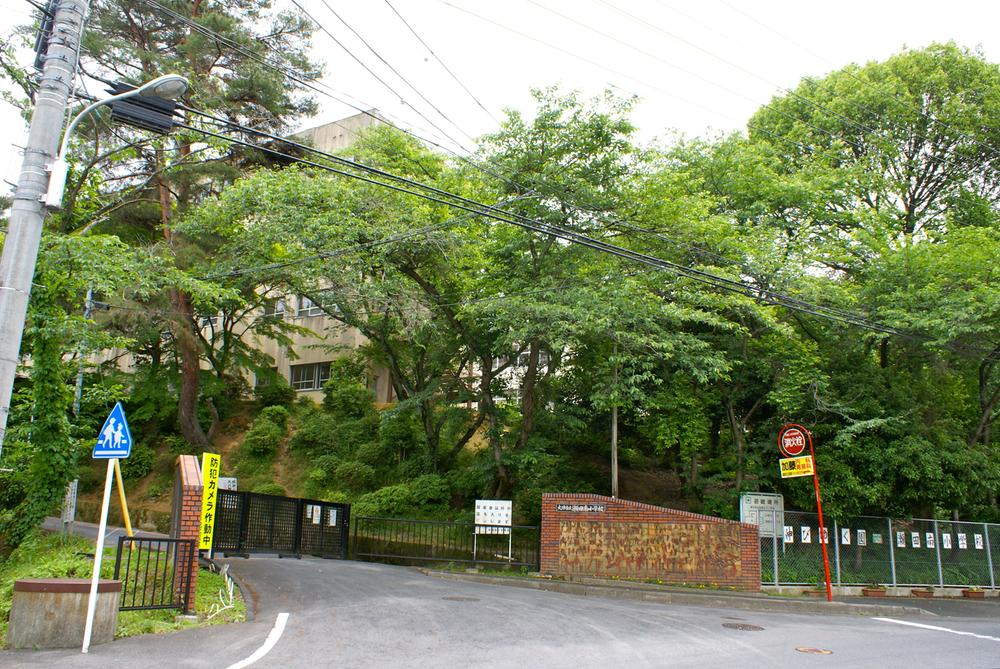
(24, 232)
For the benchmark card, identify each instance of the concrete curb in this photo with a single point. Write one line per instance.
(664, 595)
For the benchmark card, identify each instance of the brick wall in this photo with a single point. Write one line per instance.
(601, 536)
(187, 516)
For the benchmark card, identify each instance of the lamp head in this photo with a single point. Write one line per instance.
(167, 87)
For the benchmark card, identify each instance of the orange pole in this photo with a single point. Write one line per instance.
(819, 509)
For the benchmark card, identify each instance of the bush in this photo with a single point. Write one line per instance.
(275, 393)
(269, 489)
(354, 475)
(263, 439)
(426, 495)
(277, 415)
(316, 433)
(139, 462)
(374, 453)
(349, 435)
(348, 400)
(178, 445)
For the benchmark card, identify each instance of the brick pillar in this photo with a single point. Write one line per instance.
(187, 518)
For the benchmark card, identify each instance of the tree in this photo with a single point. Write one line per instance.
(157, 180)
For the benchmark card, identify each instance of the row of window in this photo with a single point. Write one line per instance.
(304, 307)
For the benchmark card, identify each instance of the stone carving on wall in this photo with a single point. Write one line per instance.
(695, 552)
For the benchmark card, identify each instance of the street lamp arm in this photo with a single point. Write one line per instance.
(169, 86)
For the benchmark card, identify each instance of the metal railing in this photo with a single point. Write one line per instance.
(155, 573)
(424, 541)
(871, 549)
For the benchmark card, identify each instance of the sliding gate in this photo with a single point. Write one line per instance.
(248, 522)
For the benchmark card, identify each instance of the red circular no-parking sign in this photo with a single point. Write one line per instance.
(792, 440)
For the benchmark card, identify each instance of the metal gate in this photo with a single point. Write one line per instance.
(248, 522)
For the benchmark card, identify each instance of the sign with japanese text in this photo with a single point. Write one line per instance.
(493, 516)
(793, 467)
(765, 510)
(792, 440)
(210, 463)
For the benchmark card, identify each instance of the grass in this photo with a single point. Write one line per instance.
(56, 556)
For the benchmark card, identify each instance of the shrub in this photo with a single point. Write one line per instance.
(316, 433)
(347, 400)
(425, 495)
(139, 462)
(354, 475)
(374, 453)
(349, 435)
(275, 393)
(269, 489)
(263, 439)
(178, 445)
(277, 415)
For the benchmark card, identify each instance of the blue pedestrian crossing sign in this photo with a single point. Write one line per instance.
(114, 440)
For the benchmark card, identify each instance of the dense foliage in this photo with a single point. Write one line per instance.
(866, 199)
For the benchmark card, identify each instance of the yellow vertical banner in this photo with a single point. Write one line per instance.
(210, 463)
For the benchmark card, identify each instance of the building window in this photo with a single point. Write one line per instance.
(311, 376)
(308, 308)
(274, 309)
(209, 321)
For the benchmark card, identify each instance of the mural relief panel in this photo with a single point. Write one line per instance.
(681, 552)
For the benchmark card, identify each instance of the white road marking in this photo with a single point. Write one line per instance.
(935, 628)
(272, 638)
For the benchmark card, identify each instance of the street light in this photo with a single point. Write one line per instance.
(166, 87)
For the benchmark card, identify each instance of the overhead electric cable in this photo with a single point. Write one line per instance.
(441, 62)
(375, 75)
(395, 71)
(451, 200)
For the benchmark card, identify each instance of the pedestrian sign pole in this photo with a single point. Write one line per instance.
(114, 441)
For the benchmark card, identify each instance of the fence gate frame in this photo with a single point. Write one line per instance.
(143, 553)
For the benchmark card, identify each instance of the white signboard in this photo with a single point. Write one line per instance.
(900, 539)
(862, 537)
(789, 534)
(963, 542)
(766, 510)
(227, 483)
(845, 536)
(929, 539)
(69, 502)
(946, 541)
(915, 539)
(332, 520)
(979, 541)
(806, 534)
(493, 516)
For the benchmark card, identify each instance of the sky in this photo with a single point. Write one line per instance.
(699, 67)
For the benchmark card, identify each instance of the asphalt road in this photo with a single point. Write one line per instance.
(352, 614)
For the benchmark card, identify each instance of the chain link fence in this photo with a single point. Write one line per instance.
(871, 549)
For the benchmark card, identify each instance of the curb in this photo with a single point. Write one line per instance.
(661, 595)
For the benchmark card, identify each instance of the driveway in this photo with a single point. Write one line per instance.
(353, 614)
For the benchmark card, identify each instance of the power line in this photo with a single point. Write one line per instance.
(375, 75)
(441, 62)
(395, 71)
(316, 86)
(738, 287)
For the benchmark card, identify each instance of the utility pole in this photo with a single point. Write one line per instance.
(24, 231)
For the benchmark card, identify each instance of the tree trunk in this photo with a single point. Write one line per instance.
(187, 352)
(736, 426)
(529, 401)
(614, 451)
(503, 482)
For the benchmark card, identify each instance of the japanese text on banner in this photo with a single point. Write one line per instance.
(210, 463)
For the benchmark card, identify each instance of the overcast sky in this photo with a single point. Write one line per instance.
(699, 67)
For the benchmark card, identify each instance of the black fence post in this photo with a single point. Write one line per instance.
(297, 528)
(244, 502)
